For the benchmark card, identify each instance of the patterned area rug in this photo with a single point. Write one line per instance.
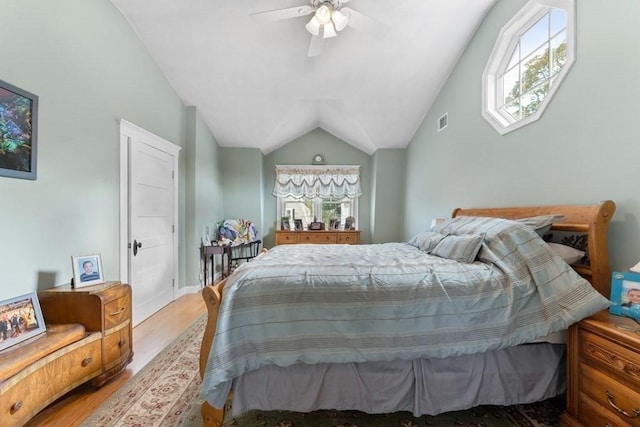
(163, 392)
(540, 414)
(166, 393)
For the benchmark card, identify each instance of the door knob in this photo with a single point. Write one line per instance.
(136, 245)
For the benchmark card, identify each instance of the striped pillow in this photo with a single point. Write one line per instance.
(426, 241)
(462, 248)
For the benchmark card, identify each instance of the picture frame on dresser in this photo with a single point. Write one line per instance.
(625, 294)
(298, 224)
(284, 223)
(20, 319)
(19, 145)
(87, 270)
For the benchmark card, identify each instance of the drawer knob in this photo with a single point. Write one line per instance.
(121, 343)
(15, 407)
(86, 362)
(610, 401)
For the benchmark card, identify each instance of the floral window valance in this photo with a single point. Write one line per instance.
(317, 181)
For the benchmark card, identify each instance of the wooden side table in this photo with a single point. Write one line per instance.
(208, 253)
(603, 388)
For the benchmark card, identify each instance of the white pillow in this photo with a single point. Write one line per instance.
(567, 253)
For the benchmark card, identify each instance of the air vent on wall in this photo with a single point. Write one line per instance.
(443, 121)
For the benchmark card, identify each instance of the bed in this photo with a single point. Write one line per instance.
(469, 313)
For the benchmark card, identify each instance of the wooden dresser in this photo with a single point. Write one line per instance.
(351, 237)
(104, 308)
(603, 372)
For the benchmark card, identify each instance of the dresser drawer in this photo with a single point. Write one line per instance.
(350, 238)
(607, 392)
(318, 238)
(620, 360)
(597, 415)
(286, 238)
(116, 312)
(27, 392)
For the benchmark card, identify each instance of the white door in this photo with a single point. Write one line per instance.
(151, 249)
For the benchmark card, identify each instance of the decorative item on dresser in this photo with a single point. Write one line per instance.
(284, 237)
(603, 389)
(104, 308)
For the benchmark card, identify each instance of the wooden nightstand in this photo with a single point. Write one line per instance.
(104, 308)
(603, 386)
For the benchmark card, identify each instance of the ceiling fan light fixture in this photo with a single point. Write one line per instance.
(313, 26)
(323, 14)
(329, 31)
(339, 20)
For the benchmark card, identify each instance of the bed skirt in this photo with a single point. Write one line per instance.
(515, 375)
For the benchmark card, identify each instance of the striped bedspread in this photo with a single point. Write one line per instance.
(344, 303)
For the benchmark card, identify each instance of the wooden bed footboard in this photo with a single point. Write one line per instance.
(212, 295)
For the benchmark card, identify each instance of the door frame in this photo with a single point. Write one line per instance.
(128, 129)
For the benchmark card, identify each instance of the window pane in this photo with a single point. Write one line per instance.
(300, 209)
(511, 85)
(330, 210)
(531, 100)
(535, 69)
(535, 36)
(558, 20)
(558, 52)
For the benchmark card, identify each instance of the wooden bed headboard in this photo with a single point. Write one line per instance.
(592, 220)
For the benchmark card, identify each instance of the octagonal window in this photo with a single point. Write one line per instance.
(531, 57)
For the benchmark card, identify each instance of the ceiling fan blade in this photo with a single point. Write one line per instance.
(279, 14)
(315, 47)
(363, 23)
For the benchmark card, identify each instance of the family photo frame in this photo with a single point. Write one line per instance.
(20, 319)
(87, 270)
(18, 132)
(625, 294)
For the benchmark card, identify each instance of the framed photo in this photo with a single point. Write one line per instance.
(298, 223)
(316, 226)
(20, 319)
(284, 223)
(18, 132)
(625, 294)
(87, 270)
(334, 224)
(350, 223)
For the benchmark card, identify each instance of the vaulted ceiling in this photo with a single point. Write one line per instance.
(255, 86)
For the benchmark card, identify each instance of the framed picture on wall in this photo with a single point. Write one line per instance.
(18, 132)
(87, 270)
(20, 319)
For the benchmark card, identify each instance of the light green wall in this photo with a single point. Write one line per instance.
(204, 200)
(387, 200)
(583, 150)
(241, 171)
(89, 70)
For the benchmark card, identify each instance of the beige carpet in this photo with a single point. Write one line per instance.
(167, 393)
(163, 392)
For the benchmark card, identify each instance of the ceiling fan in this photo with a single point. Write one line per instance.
(329, 16)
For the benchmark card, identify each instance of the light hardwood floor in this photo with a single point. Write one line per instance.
(149, 338)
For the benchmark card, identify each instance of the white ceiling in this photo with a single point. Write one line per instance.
(255, 86)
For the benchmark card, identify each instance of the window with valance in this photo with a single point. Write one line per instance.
(317, 193)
